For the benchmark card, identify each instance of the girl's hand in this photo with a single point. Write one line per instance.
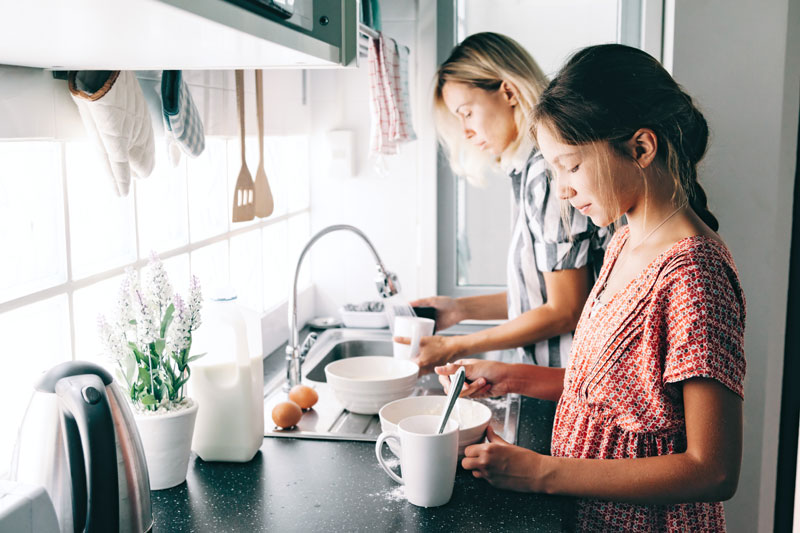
(504, 465)
(448, 311)
(433, 351)
(483, 378)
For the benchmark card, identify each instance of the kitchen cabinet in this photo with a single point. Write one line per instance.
(173, 34)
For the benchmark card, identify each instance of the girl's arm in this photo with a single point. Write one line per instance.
(493, 378)
(708, 471)
(450, 311)
(567, 291)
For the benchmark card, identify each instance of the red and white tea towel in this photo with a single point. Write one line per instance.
(389, 102)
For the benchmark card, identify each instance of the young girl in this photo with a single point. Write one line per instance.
(483, 100)
(655, 378)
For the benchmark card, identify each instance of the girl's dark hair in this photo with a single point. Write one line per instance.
(607, 92)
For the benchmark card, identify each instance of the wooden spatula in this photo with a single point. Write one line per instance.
(264, 203)
(243, 194)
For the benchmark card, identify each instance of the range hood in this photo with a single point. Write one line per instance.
(174, 34)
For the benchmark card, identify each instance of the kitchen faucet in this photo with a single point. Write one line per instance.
(295, 353)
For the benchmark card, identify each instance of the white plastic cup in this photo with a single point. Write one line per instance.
(414, 327)
(428, 460)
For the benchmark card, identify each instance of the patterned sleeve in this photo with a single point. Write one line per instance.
(558, 245)
(704, 322)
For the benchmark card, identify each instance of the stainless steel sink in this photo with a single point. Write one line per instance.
(329, 420)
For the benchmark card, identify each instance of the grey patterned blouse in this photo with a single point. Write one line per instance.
(540, 242)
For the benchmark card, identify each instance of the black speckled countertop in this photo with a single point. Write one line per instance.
(321, 485)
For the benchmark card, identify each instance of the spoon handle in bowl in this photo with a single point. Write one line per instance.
(457, 382)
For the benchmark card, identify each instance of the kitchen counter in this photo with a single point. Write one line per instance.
(322, 485)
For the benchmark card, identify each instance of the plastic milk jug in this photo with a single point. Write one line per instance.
(227, 383)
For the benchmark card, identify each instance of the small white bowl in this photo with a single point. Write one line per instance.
(365, 384)
(472, 417)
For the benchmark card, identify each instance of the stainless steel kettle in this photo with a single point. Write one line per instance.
(79, 440)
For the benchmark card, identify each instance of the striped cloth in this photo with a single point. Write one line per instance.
(541, 243)
(183, 128)
(389, 96)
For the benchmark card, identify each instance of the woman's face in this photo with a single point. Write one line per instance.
(593, 177)
(487, 117)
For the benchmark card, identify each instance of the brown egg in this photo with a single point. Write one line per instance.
(303, 396)
(286, 414)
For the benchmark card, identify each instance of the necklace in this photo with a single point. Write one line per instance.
(596, 303)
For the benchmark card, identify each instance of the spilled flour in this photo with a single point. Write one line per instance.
(397, 494)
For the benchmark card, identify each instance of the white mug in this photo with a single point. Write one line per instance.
(414, 327)
(428, 460)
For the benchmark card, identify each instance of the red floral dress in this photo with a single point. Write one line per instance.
(682, 317)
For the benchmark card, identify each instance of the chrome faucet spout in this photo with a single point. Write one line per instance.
(295, 353)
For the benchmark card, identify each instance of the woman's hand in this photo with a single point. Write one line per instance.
(504, 465)
(483, 379)
(448, 311)
(434, 350)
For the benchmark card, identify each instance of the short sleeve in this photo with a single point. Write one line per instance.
(560, 240)
(704, 320)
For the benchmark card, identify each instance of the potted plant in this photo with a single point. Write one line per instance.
(149, 341)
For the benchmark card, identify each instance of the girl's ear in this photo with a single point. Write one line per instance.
(643, 147)
(509, 91)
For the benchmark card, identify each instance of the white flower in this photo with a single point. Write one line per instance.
(179, 333)
(147, 325)
(195, 304)
(113, 339)
(157, 287)
(125, 310)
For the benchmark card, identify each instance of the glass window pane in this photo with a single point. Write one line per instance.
(161, 206)
(210, 265)
(179, 274)
(208, 191)
(31, 218)
(246, 272)
(88, 304)
(299, 233)
(102, 225)
(35, 338)
(277, 264)
(295, 157)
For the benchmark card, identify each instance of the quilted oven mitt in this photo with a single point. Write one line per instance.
(183, 128)
(114, 113)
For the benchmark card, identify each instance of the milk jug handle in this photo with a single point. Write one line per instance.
(91, 444)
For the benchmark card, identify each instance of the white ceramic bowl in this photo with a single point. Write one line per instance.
(363, 319)
(473, 417)
(365, 384)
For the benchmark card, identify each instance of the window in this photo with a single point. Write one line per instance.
(67, 240)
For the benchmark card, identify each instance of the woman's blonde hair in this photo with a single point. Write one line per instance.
(485, 61)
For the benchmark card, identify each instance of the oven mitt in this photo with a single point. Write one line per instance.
(114, 113)
(183, 128)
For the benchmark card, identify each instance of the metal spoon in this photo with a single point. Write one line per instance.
(456, 384)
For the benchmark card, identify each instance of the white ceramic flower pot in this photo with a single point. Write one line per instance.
(167, 441)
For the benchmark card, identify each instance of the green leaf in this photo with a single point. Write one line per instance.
(167, 319)
(196, 356)
(136, 353)
(148, 399)
(159, 346)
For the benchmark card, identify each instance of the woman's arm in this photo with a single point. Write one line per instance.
(450, 311)
(493, 378)
(707, 471)
(567, 291)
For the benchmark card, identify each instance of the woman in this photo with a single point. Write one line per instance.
(484, 96)
(655, 380)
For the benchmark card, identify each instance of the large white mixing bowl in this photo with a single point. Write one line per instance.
(365, 384)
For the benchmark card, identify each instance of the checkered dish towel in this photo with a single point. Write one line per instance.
(183, 128)
(389, 102)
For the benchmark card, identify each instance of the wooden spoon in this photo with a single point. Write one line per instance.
(264, 203)
(243, 204)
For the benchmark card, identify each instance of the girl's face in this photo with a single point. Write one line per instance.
(593, 177)
(487, 117)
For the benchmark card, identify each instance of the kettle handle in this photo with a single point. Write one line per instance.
(95, 490)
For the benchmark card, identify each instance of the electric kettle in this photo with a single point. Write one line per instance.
(79, 440)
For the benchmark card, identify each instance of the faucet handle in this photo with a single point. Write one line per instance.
(309, 341)
(387, 283)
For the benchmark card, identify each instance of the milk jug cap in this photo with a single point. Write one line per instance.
(224, 293)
